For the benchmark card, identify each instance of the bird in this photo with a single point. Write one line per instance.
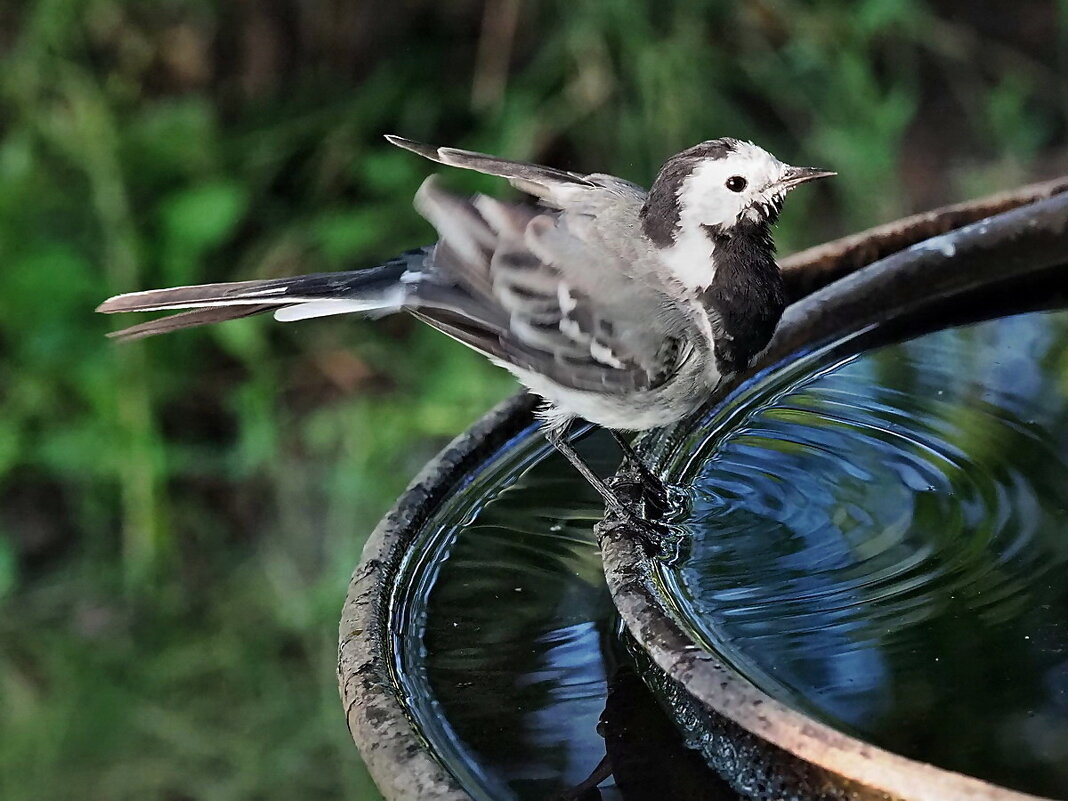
(615, 305)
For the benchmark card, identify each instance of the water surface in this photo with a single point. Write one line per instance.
(504, 626)
(509, 650)
(882, 540)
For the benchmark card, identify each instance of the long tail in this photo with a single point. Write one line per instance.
(379, 289)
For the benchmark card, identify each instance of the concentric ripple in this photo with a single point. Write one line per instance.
(882, 541)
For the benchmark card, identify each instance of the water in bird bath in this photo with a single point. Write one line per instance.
(877, 540)
(503, 624)
(882, 541)
(508, 650)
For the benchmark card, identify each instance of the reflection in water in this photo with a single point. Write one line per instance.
(508, 649)
(506, 628)
(649, 758)
(883, 541)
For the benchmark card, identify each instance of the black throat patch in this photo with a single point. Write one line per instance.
(660, 213)
(747, 295)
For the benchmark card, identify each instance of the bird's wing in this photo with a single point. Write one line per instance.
(516, 284)
(553, 187)
(554, 293)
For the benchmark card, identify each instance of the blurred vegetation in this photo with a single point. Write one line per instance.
(179, 517)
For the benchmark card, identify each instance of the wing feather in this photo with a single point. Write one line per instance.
(490, 165)
(552, 186)
(522, 302)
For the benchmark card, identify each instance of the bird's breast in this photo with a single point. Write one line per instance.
(690, 261)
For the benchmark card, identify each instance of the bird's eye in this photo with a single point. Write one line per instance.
(736, 183)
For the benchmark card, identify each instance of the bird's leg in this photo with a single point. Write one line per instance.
(558, 439)
(632, 456)
(587, 788)
(646, 530)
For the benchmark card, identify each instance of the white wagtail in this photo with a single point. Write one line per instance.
(616, 305)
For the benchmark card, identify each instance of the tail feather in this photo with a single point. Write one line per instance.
(388, 302)
(254, 293)
(186, 319)
(379, 288)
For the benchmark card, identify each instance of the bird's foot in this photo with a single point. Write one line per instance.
(631, 497)
(640, 508)
(632, 463)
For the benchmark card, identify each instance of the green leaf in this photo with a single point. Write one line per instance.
(345, 234)
(388, 171)
(10, 446)
(8, 568)
(46, 286)
(171, 140)
(203, 216)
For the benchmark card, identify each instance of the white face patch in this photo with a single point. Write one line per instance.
(706, 199)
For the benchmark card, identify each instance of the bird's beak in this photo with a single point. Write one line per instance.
(795, 176)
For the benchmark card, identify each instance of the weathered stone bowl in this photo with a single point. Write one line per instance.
(763, 748)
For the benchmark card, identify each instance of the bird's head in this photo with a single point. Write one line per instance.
(717, 189)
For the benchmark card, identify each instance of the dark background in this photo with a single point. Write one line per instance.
(179, 517)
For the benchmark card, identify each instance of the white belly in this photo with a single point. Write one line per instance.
(633, 411)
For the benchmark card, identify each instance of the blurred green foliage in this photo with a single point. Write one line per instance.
(179, 517)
